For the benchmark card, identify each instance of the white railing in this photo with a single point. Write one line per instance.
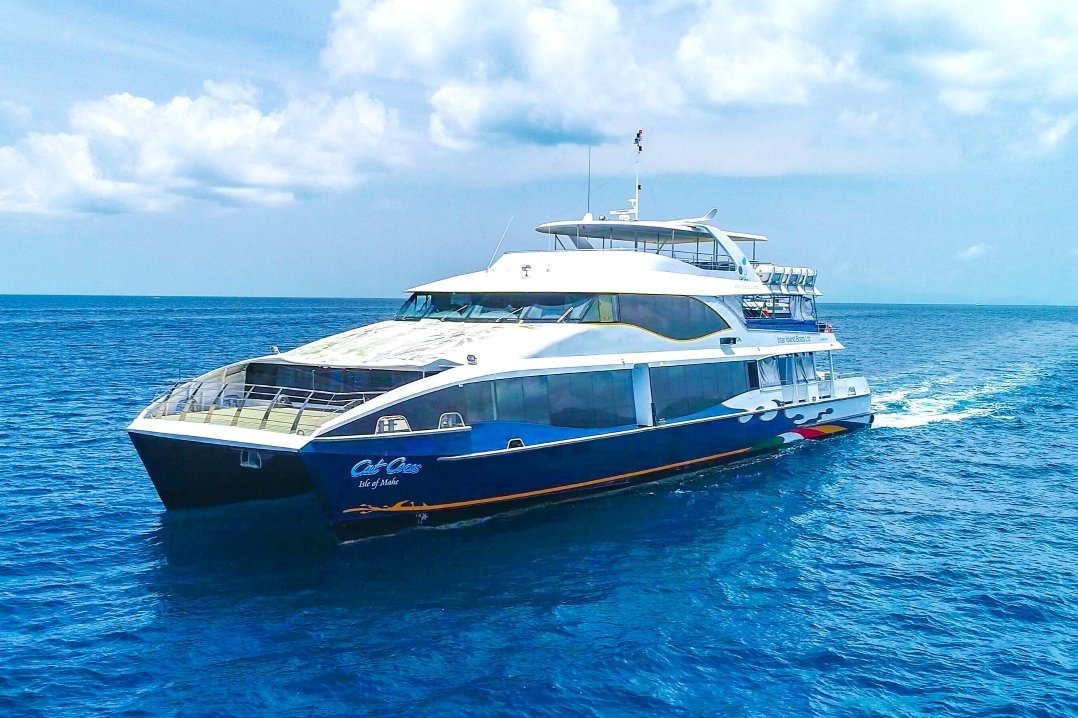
(254, 406)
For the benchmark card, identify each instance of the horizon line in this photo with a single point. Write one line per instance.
(330, 297)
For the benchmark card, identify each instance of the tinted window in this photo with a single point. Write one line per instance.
(687, 389)
(495, 307)
(570, 400)
(423, 412)
(509, 398)
(478, 402)
(613, 397)
(670, 316)
(583, 399)
(754, 375)
(580, 400)
(536, 406)
(327, 379)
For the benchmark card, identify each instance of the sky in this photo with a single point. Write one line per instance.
(910, 150)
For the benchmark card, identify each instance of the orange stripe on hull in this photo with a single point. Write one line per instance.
(408, 506)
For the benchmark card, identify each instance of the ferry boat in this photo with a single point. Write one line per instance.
(627, 351)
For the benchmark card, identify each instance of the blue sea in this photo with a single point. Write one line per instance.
(925, 567)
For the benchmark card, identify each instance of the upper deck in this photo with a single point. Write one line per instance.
(683, 257)
(692, 241)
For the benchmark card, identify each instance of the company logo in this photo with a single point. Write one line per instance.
(399, 465)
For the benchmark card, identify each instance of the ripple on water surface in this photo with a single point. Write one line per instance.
(925, 567)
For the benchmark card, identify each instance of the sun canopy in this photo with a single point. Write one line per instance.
(676, 232)
(626, 231)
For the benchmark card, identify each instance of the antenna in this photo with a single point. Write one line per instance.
(639, 142)
(589, 179)
(634, 202)
(504, 232)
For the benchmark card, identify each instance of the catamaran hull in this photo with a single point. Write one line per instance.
(189, 473)
(373, 486)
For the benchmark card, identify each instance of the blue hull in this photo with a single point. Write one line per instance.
(377, 485)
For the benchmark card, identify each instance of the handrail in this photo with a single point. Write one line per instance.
(224, 402)
(705, 254)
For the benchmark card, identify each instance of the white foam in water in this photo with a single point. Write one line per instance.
(891, 397)
(896, 410)
(910, 419)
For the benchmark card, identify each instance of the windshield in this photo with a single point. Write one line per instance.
(500, 307)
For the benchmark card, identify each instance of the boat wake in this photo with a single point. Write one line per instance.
(940, 400)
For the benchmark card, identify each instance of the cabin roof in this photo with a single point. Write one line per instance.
(680, 231)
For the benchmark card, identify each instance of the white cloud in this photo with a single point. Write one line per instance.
(1012, 51)
(721, 86)
(542, 73)
(51, 173)
(759, 52)
(127, 153)
(14, 112)
(965, 101)
(891, 123)
(412, 39)
(973, 252)
(1046, 133)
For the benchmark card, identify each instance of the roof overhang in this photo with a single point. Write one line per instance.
(631, 231)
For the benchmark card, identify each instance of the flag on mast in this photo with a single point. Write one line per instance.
(639, 141)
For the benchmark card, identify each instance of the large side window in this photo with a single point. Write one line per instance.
(578, 400)
(614, 404)
(732, 378)
(328, 379)
(598, 399)
(423, 412)
(536, 401)
(509, 398)
(478, 402)
(690, 388)
(671, 316)
(571, 400)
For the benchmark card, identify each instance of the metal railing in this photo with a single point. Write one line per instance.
(704, 254)
(282, 409)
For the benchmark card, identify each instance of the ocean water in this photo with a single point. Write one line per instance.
(925, 567)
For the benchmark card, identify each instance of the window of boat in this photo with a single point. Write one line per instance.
(771, 307)
(754, 374)
(691, 388)
(591, 399)
(596, 399)
(786, 369)
(804, 367)
(768, 369)
(496, 307)
(303, 379)
(677, 317)
(417, 306)
(789, 369)
(672, 316)
(579, 400)
(478, 402)
(423, 412)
